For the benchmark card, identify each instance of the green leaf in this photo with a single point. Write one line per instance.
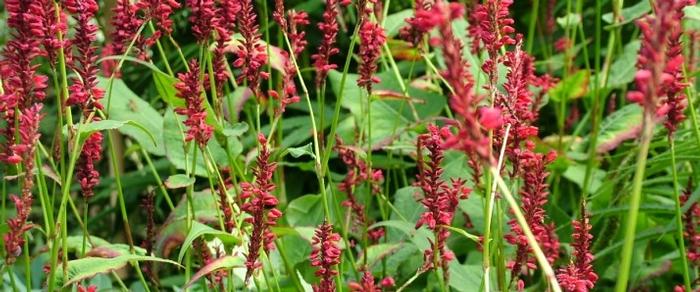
(574, 86)
(223, 263)
(395, 21)
(377, 252)
(569, 20)
(691, 17)
(199, 229)
(621, 125)
(463, 233)
(125, 106)
(465, 277)
(102, 125)
(297, 152)
(631, 13)
(179, 181)
(235, 130)
(624, 68)
(577, 173)
(305, 211)
(84, 268)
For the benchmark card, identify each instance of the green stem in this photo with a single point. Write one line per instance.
(635, 200)
(679, 216)
(156, 176)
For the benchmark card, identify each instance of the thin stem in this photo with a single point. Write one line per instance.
(679, 216)
(489, 214)
(635, 200)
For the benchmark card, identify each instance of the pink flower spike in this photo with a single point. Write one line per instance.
(190, 89)
(324, 256)
(329, 28)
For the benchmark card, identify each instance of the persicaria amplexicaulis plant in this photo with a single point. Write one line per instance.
(205, 129)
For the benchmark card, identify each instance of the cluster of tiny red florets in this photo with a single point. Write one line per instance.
(329, 28)
(439, 199)
(261, 205)
(324, 256)
(579, 275)
(252, 55)
(190, 89)
(533, 196)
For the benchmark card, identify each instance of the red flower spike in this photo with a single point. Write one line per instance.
(125, 26)
(251, 53)
(471, 137)
(579, 275)
(159, 12)
(372, 38)
(366, 284)
(190, 89)
(659, 78)
(29, 138)
(52, 25)
(85, 170)
(324, 256)
(415, 30)
(358, 173)
(691, 220)
(23, 87)
(439, 199)
(329, 28)
(491, 26)
(84, 91)
(533, 197)
(261, 205)
(297, 38)
(203, 19)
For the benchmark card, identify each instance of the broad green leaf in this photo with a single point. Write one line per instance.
(621, 125)
(631, 13)
(223, 263)
(569, 20)
(577, 173)
(125, 106)
(97, 126)
(573, 87)
(377, 252)
(235, 130)
(692, 17)
(173, 232)
(465, 277)
(297, 152)
(84, 268)
(305, 211)
(624, 68)
(395, 21)
(199, 229)
(178, 181)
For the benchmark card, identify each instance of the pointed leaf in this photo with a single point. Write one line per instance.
(199, 229)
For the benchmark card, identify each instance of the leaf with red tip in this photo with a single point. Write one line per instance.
(227, 262)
